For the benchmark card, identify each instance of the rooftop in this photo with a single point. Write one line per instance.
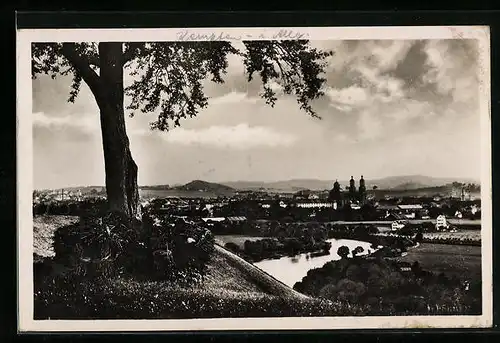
(410, 207)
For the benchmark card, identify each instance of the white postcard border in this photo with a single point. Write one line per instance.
(26, 323)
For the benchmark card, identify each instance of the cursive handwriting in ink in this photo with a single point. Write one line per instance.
(186, 35)
(289, 34)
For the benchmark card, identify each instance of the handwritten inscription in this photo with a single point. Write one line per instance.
(282, 34)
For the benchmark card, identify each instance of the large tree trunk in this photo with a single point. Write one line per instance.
(121, 170)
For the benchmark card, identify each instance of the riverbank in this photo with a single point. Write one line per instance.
(291, 270)
(276, 248)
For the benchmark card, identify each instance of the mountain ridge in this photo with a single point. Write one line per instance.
(392, 182)
(404, 182)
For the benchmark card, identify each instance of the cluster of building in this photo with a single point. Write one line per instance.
(259, 204)
(57, 195)
(338, 198)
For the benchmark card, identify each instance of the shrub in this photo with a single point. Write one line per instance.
(232, 247)
(112, 245)
(344, 290)
(343, 251)
(383, 289)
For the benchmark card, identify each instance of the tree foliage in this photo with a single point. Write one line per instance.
(169, 76)
(343, 251)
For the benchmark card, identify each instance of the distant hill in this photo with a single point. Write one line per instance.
(285, 186)
(393, 183)
(414, 192)
(204, 186)
(155, 187)
(408, 182)
(409, 186)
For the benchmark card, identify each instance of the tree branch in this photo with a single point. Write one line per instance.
(127, 56)
(81, 65)
(130, 52)
(94, 60)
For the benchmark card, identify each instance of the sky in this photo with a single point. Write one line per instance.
(390, 108)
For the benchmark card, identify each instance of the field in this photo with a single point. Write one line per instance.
(476, 223)
(236, 239)
(449, 259)
(461, 234)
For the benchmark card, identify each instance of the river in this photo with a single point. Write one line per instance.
(290, 270)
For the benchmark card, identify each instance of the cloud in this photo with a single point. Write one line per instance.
(384, 87)
(390, 53)
(452, 68)
(414, 100)
(344, 138)
(233, 98)
(359, 74)
(349, 96)
(85, 122)
(238, 137)
(370, 126)
(391, 87)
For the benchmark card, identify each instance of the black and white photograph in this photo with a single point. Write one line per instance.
(254, 178)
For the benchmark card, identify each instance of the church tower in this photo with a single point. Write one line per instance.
(335, 195)
(362, 190)
(352, 189)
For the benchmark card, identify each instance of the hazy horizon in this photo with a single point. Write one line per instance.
(390, 108)
(344, 180)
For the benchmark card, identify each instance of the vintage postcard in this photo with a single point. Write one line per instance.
(254, 178)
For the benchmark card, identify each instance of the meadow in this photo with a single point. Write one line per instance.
(461, 234)
(460, 260)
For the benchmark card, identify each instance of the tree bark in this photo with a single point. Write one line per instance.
(121, 171)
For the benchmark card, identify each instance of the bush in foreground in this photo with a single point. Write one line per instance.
(95, 253)
(386, 288)
(154, 248)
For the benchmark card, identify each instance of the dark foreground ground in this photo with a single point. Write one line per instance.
(231, 288)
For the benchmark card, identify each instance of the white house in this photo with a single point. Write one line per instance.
(355, 207)
(409, 211)
(474, 209)
(397, 225)
(214, 219)
(441, 222)
(314, 204)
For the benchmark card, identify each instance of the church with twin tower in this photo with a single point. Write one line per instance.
(352, 195)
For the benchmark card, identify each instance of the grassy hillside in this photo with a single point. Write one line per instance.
(231, 288)
(43, 232)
